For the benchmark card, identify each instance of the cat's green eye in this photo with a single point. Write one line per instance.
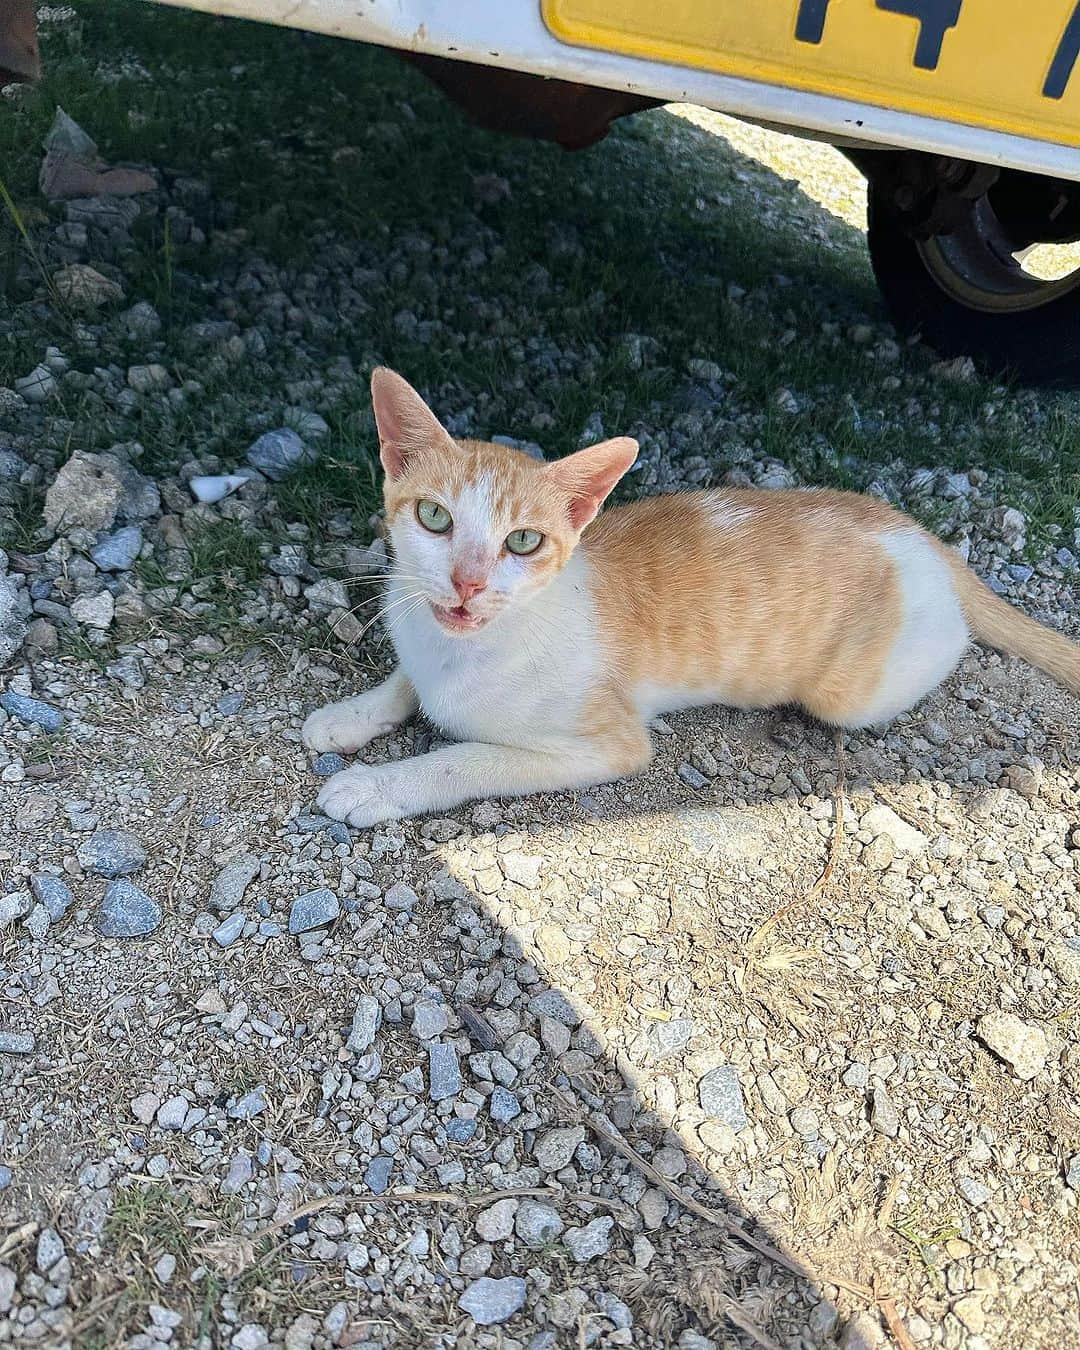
(524, 542)
(433, 517)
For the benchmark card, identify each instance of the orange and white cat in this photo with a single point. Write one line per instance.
(543, 637)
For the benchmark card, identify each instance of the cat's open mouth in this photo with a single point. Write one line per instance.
(458, 619)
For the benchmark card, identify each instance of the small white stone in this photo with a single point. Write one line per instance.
(210, 488)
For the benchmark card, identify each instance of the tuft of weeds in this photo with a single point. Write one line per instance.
(226, 552)
(151, 1218)
(927, 1235)
(21, 527)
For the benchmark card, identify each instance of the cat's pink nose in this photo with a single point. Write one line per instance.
(467, 587)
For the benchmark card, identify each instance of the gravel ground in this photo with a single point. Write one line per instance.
(634, 1066)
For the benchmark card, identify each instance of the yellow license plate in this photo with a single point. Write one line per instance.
(986, 63)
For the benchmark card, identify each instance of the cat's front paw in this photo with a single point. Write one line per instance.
(370, 794)
(343, 727)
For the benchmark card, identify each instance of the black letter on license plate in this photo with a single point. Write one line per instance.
(1061, 67)
(935, 18)
(810, 20)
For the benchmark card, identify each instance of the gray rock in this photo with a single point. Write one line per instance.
(503, 1105)
(87, 492)
(50, 1250)
(884, 1116)
(490, 1302)
(365, 1024)
(66, 134)
(32, 711)
(14, 608)
(118, 552)
(145, 1107)
(140, 498)
(400, 897)
(537, 1224)
(523, 868)
(112, 853)
(430, 1019)
(1072, 1173)
(17, 1042)
(250, 1105)
(128, 670)
(693, 777)
(377, 1173)
(6, 1178)
(315, 909)
(172, 1114)
(444, 1071)
(308, 425)
(460, 1131)
(149, 379)
(7, 1288)
(553, 1003)
(126, 911)
(720, 1094)
(38, 386)
(14, 907)
(721, 832)
(1022, 1046)
(225, 934)
(883, 819)
(240, 1172)
(974, 1192)
(327, 594)
(496, 1223)
(95, 611)
(593, 1240)
(12, 466)
(328, 764)
(142, 321)
(37, 922)
(279, 453)
(554, 1149)
(228, 705)
(230, 884)
(669, 1038)
(856, 1076)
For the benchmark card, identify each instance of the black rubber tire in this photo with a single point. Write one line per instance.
(1037, 346)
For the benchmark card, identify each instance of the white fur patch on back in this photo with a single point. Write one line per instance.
(933, 632)
(725, 513)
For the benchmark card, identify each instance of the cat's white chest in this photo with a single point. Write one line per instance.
(524, 680)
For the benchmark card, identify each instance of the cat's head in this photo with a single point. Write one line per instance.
(478, 528)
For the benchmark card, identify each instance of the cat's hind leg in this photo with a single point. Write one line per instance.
(923, 644)
(350, 724)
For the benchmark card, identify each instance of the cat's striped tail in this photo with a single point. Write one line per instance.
(1001, 625)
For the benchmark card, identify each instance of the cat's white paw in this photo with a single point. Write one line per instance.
(344, 727)
(370, 794)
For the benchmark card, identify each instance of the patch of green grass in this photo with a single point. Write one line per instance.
(73, 645)
(227, 552)
(19, 530)
(151, 1218)
(330, 487)
(44, 749)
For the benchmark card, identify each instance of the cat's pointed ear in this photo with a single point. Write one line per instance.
(589, 475)
(404, 421)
